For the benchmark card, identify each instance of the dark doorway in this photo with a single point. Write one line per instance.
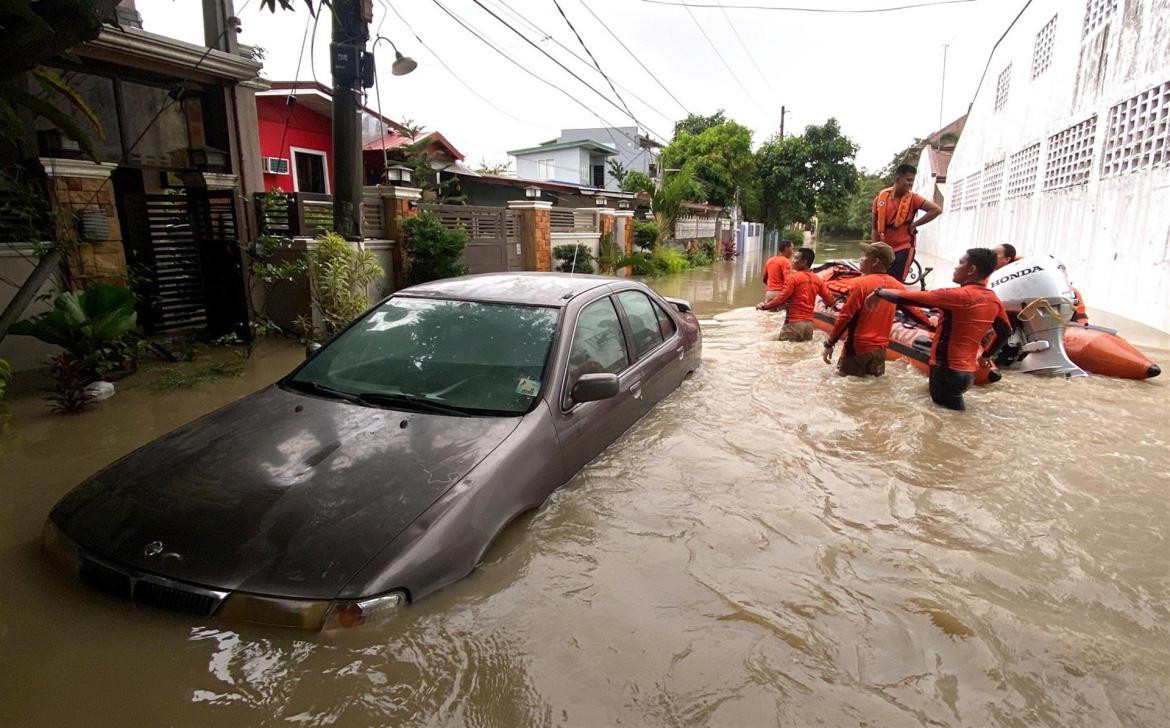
(599, 175)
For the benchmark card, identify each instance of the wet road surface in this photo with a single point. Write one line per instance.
(770, 546)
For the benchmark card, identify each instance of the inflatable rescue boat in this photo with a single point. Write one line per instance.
(1038, 297)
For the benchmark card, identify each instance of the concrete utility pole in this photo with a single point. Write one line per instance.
(941, 95)
(352, 70)
(783, 111)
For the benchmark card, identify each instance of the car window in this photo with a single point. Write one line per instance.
(665, 322)
(643, 321)
(598, 344)
(477, 357)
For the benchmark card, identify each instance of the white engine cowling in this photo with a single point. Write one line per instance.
(1038, 294)
(1039, 276)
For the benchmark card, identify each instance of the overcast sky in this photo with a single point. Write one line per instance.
(879, 74)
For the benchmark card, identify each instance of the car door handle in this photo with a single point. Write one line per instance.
(636, 390)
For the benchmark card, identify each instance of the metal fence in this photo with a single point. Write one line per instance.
(563, 220)
(690, 227)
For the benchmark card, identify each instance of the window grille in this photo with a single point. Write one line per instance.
(1097, 12)
(1070, 155)
(1042, 50)
(971, 188)
(1137, 136)
(957, 195)
(992, 182)
(1022, 169)
(1001, 87)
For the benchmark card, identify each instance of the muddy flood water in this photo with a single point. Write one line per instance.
(770, 546)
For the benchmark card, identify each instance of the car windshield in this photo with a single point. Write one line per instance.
(456, 357)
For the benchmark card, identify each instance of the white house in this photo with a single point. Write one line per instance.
(636, 151)
(1067, 151)
(579, 162)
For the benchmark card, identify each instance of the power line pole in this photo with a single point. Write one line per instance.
(352, 70)
(783, 111)
(941, 94)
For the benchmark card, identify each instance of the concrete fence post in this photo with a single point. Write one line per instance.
(623, 234)
(397, 207)
(76, 188)
(535, 233)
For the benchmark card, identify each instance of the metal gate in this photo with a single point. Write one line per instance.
(184, 257)
(493, 244)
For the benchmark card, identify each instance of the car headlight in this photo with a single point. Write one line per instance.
(309, 613)
(60, 548)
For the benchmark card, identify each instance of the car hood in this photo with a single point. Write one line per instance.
(279, 493)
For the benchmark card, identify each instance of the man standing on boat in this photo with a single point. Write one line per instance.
(967, 313)
(776, 270)
(866, 329)
(894, 210)
(800, 293)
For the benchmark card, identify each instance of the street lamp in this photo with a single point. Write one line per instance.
(532, 192)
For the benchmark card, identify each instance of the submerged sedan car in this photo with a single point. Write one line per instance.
(383, 467)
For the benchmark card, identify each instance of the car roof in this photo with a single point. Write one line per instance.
(533, 289)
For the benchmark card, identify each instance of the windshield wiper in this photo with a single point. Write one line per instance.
(324, 391)
(409, 401)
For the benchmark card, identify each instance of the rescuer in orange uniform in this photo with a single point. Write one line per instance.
(800, 293)
(776, 270)
(894, 209)
(866, 329)
(967, 313)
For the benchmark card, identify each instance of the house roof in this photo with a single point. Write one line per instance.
(590, 144)
(318, 98)
(396, 139)
(955, 128)
(702, 207)
(939, 161)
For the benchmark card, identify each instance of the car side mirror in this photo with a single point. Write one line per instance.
(312, 348)
(594, 387)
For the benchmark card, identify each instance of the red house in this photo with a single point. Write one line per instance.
(296, 139)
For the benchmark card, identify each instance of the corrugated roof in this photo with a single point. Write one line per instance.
(592, 144)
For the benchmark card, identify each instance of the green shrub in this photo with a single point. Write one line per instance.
(645, 234)
(565, 253)
(709, 247)
(610, 255)
(796, 237)
(434, 251)
(670, 260)
(698, 257)
(641, 264)
(339, 280)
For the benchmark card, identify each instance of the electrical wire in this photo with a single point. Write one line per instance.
(291, 99)
(721, 58)
(456, 76)
(793, 9)
(519, 65)
(635, 57)
(568, 70)
(747, 50)
(592, 58)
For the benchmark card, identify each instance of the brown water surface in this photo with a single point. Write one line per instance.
(770, 546)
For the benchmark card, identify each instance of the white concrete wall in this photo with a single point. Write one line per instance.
(590, 240)
(930, 235)
(569, 165)
(1112, 230)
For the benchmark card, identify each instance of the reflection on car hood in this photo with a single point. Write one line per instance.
(264, 498)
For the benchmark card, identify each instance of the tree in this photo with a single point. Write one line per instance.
(854, 219)
(697, 124)
(496, 168)
(800, 175)
(617, 170)
(635, 181)
(719, 157)
(667, 203)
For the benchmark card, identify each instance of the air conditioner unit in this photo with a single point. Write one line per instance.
(274, 165)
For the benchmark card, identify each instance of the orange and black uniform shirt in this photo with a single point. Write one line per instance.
(869, 329)
(897, 236)
(967, 314)
(800, 292)
(776, 271)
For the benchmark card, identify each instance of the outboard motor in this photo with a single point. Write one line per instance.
(1038, 296)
